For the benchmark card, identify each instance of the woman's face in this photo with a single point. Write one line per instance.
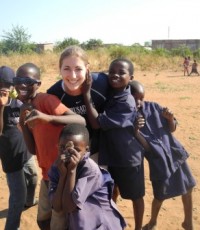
(73, 72)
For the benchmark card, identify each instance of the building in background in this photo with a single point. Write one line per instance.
(44, 47)
(168, 44)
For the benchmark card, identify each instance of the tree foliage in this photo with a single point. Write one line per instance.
(66, 42)
(16, 40)
(92, 44)
(183, 51)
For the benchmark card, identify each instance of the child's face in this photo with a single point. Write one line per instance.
(73, 71)
(119, 75)
(74, 141)
(139, 99)
(26, 84)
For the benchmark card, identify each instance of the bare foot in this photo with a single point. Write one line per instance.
(187, 226)
(150, 226)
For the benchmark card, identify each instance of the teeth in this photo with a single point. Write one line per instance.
(72, 82)
(23, 92)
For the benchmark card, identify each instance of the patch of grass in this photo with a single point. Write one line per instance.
(192, 138)
(184, 98)
(161, 86)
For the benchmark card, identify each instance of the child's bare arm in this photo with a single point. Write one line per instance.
(92, 113)
(66, 118)
(4, 98)
(57, 196)
(167, 114)
(67, 201)
(28, 137)
(139, 123)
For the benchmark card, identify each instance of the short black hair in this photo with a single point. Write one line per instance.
(23, 67)
(130, 64)
(75, 129)
(136, 87)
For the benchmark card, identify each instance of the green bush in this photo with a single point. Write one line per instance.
(182, 51)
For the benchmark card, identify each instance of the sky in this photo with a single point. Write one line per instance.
(112, 21)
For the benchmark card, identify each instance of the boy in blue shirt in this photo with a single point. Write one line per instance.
(118, 148)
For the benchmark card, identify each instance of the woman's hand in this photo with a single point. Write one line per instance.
(86, 86)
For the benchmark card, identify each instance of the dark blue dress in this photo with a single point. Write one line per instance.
(169, 172)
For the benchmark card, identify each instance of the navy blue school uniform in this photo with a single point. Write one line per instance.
(169, 172)
(99, 91)
(118, 147)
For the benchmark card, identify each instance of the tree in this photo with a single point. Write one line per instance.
(17, 40)
(66, 42)
(92, 44)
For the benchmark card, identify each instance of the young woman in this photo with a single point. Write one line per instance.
(74, 66)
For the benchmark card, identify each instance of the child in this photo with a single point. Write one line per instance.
(13, 153)
(194, 68)
(118, 147)
(169, 171)
(42, 118)
(73, 66)
(186, 64)
(79, 187)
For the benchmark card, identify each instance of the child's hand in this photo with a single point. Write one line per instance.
(25, 111)
(61, 166)
(69, 156)
(138, 124)
(166, 113)
(4, 97)
(35, 116)
(75, 157)
(86, 86)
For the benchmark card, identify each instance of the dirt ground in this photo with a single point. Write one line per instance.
(181, 94)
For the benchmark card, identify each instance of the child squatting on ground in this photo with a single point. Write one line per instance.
(79, 187)
(42, 118)
(118, 148)
(169, 171)
(18, 165)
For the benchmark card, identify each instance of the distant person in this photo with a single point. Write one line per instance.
(169, 172)
(194, 68)
(118, 148)
(186, 64)
(79, 187)
(42, 118)
(18, 165)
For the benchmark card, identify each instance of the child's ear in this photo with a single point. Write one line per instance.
(87, 148)
(39, 84)
(132, 77)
